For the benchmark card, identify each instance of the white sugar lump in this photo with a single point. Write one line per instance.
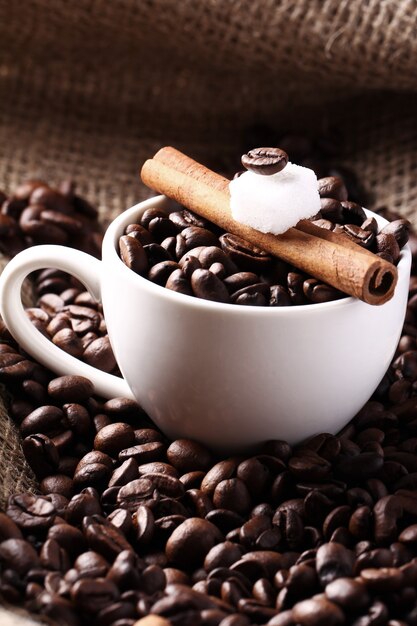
(273, 204)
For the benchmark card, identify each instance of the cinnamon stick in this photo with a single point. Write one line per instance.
(327, 256)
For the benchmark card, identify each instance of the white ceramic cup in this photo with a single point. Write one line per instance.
(228, 376)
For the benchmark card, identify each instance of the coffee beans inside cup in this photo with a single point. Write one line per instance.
(187, 254)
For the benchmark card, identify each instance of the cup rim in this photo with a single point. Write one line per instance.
(115, 230)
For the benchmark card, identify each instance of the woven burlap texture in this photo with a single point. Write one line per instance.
(90, 89)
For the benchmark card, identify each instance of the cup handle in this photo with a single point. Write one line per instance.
(88, 270)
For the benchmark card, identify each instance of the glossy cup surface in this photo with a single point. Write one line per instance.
(233, 376)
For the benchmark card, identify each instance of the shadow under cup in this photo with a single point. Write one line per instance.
(232, 376)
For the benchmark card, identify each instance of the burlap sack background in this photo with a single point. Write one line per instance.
(91, 88)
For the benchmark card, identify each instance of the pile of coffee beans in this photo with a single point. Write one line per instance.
(64, 311)
(187, 254)
(68, 315)
(129, 526)
(37, 213)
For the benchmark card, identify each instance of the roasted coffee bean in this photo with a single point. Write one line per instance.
(295, 283)
(311, 467)
(364, 238)
(35, 391)
(160, 272)
(409, 535)
(253, 295)
(382, 579)
(220, 471)
(54, 557)
(212, 255)
(337, 518)
(41, 454)
(159, 467)
(113, 438)
(387, 511)
(82, 505)
(333, 561)
(15, 366)
(8, 529)
(247, 257)
(78, 418)
(131, 495)
(124, 474)
(331, 209)
(149, 215)
(380, 557)
(18, 554)
(30, 512)
(386, 243)
(144, 453)
(187, 455)
(106, 539)
(147, 435)
(122, 409)
(332, 187)
(370, 224)
(68, 537)
(258, 564)
(407, 365)
(239, 280)
(316, 291)
(207, 286)
(177, 281)
(255, 475)
(189, 543)
(279, 296)
(226, 520)
(348, 593)
(232, 494)
(51, 303)
(353, 213)
(138, 232)
(93, 595)
(117, 613)
(183, 219)
(57, 483)
(265, 161)
(189, 263)
(322, 223)
(133, 254)
(126, 570)
(400, 229)
(253, 529)
(170, 245)
(317, 611)
(161, 227)
(90, 564)
(222, 555)
(99, 354)
(33, 225)
(362, 466)
(70, 389)
(194, 236)
(68, 340)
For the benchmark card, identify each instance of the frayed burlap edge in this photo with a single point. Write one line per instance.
(15, 474)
